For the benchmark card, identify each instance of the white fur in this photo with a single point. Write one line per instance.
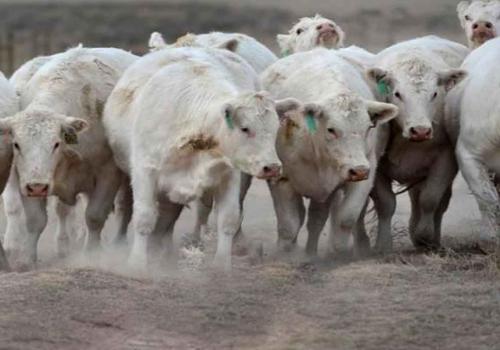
(65, 95)
(163, 105)
(255, 53)
(475, 106)
(316, 164)
(479, 12)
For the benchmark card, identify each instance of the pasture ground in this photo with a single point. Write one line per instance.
(404, 301)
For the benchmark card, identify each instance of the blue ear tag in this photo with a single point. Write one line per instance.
(229, 121)
(383, 88)
(311, 124)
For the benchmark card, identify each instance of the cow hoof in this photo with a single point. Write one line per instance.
(286, 246)
(189, 241)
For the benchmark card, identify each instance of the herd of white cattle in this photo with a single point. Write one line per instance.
(194, 121)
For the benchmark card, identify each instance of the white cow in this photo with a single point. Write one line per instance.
(317, 31)
(474, 108)
(416, 78)
(184, 122)
(254, 52)
(329, 145)
(480, 20)
(51, 154)
(9, 105)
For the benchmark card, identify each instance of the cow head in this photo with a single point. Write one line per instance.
(418, 89)
(249, 133)
(311, 32)
(480, 20)
(39, 141)
(338, 128)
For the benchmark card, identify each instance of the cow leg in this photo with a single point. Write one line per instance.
(477, 177)
(161, 243)
(290, 213)
(346, 216)
(4, 264)
(361, 238)
(123, 210)
(145, 214)
(26, 220)
(431, 194)
(443, 206)
(100, 204)
(64, 228)
(228, 219)
(203, 208)
(316, 218)
(384, 201)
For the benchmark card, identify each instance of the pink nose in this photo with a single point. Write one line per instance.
(483, 30)
(420, 133)
(359, 173)
(270, 171)
(37, 190)
(326, 28)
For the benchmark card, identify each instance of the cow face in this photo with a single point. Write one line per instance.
(418, 90)
(39, 140)
(480, 20)
(250, 128)
(338, 129)
(311, 32)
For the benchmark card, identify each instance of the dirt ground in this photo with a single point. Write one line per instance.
(405, 301)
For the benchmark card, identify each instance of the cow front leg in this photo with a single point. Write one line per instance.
(228, 219)
(123, 210)
(290, 213)
(384, 201)
(317, 215)
(430, 197)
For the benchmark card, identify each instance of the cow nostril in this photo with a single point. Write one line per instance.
(266, 169)
(475, 26)
(413, 131)
(488, 25)
(29, 188)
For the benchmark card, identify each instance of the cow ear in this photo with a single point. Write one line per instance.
(381, 113)
(230, 45)
(70, 129)
(382, 80)
(341, 34)
(284, 44)
(449, 79)
(313, 113)
(285, 106)
(156, 42)
(461, 7)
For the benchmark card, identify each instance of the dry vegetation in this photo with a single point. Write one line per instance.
(404, 301)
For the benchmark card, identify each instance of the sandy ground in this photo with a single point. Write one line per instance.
(405, 301)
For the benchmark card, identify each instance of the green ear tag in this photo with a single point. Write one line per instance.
(383, 88)
(70, 137)
(285, 53)
(311, 124)
(229, 121)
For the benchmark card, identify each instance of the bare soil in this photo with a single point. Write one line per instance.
(404, 301)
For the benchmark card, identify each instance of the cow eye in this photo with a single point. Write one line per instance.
(398, 96)
(467, 18)
(299, 31)
(16, 146)
(434, 96)
(332, 132)
(245, 130)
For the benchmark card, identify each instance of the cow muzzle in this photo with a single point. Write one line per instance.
(327, 34)
(270, 171)
(482, 32)
(37, 190)
(357, 174)
(420, 133)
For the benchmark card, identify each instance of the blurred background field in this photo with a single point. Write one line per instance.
(32, 28)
